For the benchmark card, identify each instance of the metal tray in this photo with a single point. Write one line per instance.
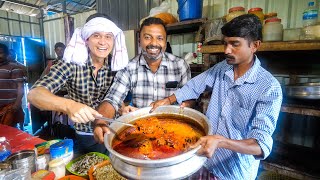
(304, 91)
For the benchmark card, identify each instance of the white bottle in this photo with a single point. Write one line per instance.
(5, 149)
(310, 15)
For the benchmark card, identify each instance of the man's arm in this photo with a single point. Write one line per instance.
(209, 144)
(101, 126)
(43, 99)
(20, 93)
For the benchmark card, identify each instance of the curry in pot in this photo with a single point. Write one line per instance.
(157, 137)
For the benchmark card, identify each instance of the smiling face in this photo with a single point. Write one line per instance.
(153, 41)
(100, 45)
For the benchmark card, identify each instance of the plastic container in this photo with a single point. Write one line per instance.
(272, 30)
(310, 15)
(62, 149)
(270, 15)
(258, 12)
(41, 163)
(58, 167)
(235, 12)
(5, 149)
(310, 33)
(189, 9)
(199, 54)
(291, 34)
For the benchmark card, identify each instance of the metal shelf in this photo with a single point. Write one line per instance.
(185, 26)
(296, 109)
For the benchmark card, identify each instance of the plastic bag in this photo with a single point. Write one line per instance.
(162, 13)
(164, 7)
(213, 31)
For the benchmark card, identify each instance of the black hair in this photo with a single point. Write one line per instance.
(247, 26)
(5, 49)
(152, 20)
(59, 44)
(98, 15)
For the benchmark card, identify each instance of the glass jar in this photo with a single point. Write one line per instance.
(235, 12)
(258, 12)
(272, 30)
(58, 167)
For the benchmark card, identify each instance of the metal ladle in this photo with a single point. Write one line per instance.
(113, 120)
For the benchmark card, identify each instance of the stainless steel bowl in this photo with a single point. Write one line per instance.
(176, 167)
(23, 159)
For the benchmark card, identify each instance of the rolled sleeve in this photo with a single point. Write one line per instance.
(264, 124)
(193, 88)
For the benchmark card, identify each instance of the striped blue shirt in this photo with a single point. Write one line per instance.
(242, 109)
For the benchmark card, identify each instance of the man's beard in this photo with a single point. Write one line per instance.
(152, 57)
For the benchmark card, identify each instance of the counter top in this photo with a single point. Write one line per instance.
(19, 140)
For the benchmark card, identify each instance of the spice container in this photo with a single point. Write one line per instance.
(58, 167)
(41, 163)
(258, 12)
(62, 149)
(272, 30)
(235, 12)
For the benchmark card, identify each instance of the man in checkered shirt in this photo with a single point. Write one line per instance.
(87, 75)
(152, 75)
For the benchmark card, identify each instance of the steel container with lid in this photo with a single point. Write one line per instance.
(23, 159)
(235, 12)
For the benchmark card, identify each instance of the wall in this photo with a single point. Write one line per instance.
(54, 30)
(14, 24)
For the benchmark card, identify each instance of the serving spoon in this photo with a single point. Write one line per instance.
(113, 120)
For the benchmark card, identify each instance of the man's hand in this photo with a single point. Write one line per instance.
(100, 128)
(81, 113)
(126, 109)
(209, 144)
(158, 103)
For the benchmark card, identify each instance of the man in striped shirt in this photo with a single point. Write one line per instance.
(244, 106)
(11, 90)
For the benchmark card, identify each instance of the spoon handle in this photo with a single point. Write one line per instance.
(113, 120)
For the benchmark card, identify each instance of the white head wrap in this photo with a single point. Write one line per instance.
(77, 50)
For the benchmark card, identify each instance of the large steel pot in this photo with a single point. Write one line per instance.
(176, 167)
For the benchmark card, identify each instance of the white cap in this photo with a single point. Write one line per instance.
(2, 139)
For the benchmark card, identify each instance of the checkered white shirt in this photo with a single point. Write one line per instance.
(146, 86)
(80, 83)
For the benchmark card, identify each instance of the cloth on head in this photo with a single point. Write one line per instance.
(77, 51)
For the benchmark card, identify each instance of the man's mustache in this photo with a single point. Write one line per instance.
(229, 57)
(153, 47)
